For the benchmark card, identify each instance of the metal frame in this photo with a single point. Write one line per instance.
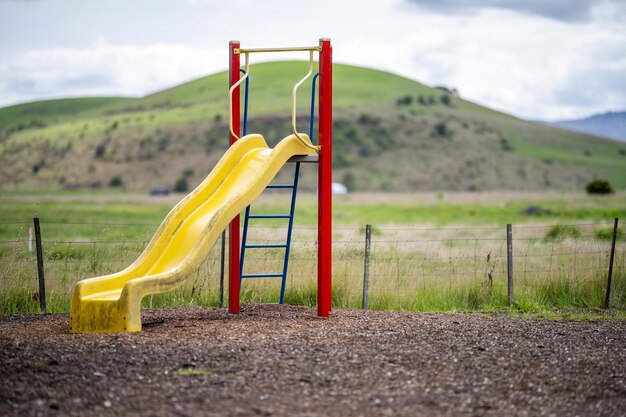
(324, 266)
(288, 49)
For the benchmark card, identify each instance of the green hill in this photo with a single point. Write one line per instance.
(390, 133)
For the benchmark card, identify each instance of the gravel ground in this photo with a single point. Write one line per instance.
(285, 361)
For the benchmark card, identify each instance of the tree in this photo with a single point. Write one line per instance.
(116, 181)
(599, 186)
(181, 185)
(441, 129)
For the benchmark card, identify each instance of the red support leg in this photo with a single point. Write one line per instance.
(233, 228)
(325, 178)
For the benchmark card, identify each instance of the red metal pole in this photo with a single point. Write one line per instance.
(233, 228)
(325, 178)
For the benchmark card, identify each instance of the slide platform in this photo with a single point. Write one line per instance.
(112, 303)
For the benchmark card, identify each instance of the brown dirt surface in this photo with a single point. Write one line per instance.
(284, 361)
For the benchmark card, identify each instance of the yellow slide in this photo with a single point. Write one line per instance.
(112, 303)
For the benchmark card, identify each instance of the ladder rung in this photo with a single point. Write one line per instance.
(261, 275)
(280, 186)
(266, 245)
(269, 216)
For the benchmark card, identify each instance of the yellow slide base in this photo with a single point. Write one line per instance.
(112, 303)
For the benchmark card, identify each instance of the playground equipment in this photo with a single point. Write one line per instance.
(112, 303)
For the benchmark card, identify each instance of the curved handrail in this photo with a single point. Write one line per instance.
(294, 92)
(230, 97)
(312, 116)
(245, 103)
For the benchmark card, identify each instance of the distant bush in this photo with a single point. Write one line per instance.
(181, 186)
(38, 166)
(599, 186)
(116, 181)
(560, 232)
(606, 233)
(404, 101)
(352, 134)
(506, 146)
(441, 129)
(100, 150)
(365, 119)
(445, 100)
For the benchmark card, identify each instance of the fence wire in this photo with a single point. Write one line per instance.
(412, 268)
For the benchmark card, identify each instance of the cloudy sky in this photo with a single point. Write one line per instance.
(537, 59)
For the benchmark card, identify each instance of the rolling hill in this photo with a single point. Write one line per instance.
(390, 133)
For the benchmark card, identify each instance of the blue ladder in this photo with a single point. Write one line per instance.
(286, 246)
(294, 191)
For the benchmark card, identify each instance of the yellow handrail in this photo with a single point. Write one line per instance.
(293, 105)
(294, 92)
(288, 49)
(230, 97)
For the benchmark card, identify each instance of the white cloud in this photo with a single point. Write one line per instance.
(104, 69)
(530, 64)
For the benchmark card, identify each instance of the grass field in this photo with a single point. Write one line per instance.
(430, 251)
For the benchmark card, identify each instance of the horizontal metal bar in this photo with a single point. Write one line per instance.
(261, 275)
(280, 186)
(269, 216)
(288, 49)
(312, 159)
(266, 245)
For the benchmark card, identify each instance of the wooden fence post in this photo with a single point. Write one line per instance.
(509, 263)
(611, 259)
(40, 272)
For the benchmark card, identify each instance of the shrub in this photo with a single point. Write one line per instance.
(441, 129)
(100, 150)
(116, 181)
(606, 233)
(181, 185)
(404, 101)
(560, 232)
(38, 166)
(506, 146)
(352, 134)
(599, 186)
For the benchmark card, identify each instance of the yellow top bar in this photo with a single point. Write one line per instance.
(296, 48)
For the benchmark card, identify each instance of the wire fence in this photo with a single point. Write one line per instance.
(400, 268)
